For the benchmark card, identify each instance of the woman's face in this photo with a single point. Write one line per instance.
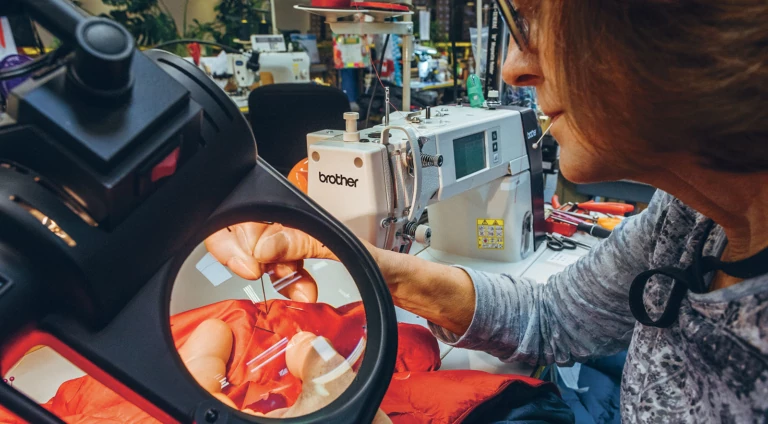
(581, 161)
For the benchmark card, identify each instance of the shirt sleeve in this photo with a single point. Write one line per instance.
(579, 313)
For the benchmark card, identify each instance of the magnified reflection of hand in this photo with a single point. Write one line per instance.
(325, 374)
(252, 249)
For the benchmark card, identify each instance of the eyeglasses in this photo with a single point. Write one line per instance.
(518, 27)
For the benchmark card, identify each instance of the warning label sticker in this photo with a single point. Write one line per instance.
(490, 234)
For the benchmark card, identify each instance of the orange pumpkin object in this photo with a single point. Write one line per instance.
(299, 175)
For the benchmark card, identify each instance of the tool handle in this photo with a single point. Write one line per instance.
(608, 223)
(593, 230)
(556, 202)
(607, 207)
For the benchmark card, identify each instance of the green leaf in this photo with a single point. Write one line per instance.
(141, 6)
(119, 15)
(116, 3)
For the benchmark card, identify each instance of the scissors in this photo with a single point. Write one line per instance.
(557, 242)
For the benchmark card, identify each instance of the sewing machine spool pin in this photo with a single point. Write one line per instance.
(386, 106)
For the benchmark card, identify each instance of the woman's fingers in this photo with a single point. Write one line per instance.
(208, 372)
(280, 244)
(325, 374)
(246, 249)
(294, 282)
(212, 337)
(299, 352)
(233, 247)
(206, 352)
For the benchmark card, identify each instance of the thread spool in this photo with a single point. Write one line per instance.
(351, 133)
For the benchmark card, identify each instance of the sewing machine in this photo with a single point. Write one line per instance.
(246, 69)
(476, 171)
(274, 57)
(285, 67)
(479, 177)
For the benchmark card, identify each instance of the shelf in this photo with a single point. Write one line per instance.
(378, 26)
(358, 28)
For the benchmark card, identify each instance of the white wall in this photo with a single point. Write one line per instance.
(289, 18)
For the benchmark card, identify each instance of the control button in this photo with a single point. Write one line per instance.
(105, 39)
(495, 157)
(495, 146)
(102, 61)
(494, 136)
(365, 140)
(166, 167)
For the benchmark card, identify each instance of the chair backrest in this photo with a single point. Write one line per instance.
(281, 116)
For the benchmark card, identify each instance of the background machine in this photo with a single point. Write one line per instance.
(274, 58)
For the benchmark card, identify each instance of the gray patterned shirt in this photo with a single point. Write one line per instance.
(711, 365)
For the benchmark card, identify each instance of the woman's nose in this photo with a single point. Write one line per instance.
(522, 68)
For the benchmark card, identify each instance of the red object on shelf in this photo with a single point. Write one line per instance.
(562, 228)
(607, 207)
(335, 4)
(194, 51)
(556, 202)
(386, 68)
(390, 7)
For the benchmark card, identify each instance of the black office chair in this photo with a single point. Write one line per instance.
(281, 115)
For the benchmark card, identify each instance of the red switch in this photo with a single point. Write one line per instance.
(166, 167)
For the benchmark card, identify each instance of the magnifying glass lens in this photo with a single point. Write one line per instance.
(280, 338)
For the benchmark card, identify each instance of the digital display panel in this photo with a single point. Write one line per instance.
(469, 154)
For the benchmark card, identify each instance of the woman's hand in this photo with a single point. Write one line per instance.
(253, 249)
(439, 293)
(325, 374)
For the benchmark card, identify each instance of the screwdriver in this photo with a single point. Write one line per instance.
(591, 229)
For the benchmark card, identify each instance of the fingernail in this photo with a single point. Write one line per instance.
(239, 266)
(284, 270)
(243, 238)
(267, 248)
(299, 296)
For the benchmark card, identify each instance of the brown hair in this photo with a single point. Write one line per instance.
(675, 74)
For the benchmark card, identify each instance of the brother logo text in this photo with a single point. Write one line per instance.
(338, 179)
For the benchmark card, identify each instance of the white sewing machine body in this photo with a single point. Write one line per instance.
(480, 200)
(285, 67)
(274, 58)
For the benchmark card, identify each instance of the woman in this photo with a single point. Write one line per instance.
(670, 93)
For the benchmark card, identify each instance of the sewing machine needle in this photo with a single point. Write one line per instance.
(264, 293)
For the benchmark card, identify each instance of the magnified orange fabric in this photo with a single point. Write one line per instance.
(412, 396)
(299, 175)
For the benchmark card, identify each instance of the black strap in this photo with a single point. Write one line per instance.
(691, 278)
(679, 288)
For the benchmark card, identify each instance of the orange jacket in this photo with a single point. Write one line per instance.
(411, 398)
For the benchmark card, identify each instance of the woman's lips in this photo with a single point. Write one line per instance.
(554, 116)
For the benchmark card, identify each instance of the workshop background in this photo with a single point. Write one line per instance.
(444, 52)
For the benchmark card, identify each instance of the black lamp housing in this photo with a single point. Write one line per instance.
(116, 166)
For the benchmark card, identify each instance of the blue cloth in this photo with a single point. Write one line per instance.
(519, 403)
(547, 408)
(600, 404)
